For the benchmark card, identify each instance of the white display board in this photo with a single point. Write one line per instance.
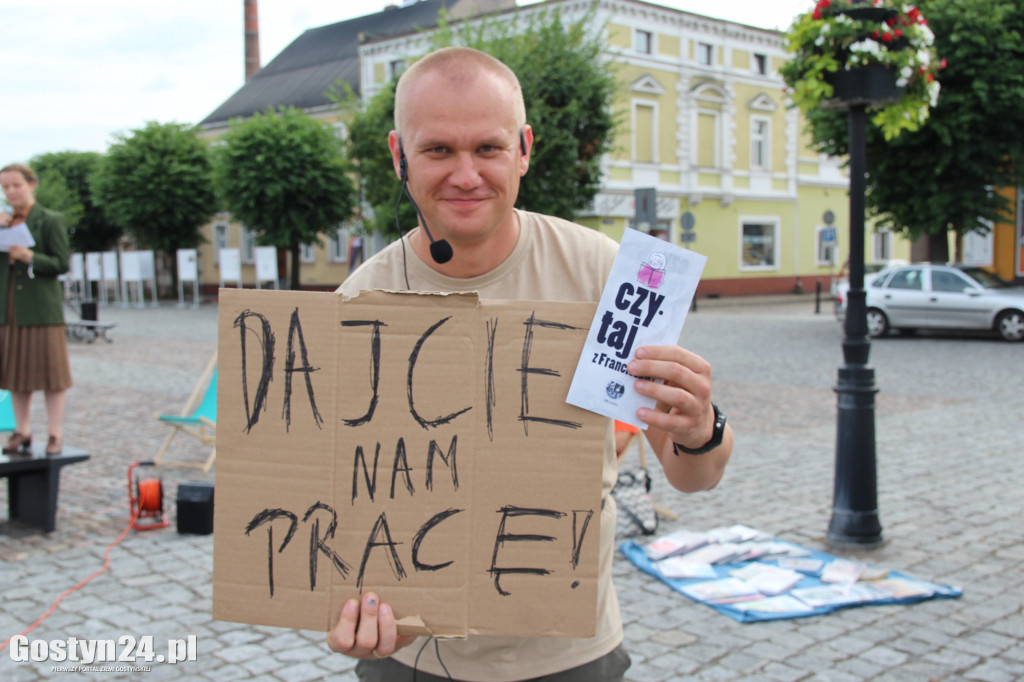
(93, 267)
(188, 271)
(109, 278)
(231, 266)
(188, 265)
(109, 265)
(266, 265)
(74, 279)
(130, 269)
(137, 268)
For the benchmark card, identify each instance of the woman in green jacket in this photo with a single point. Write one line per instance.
(33, 343)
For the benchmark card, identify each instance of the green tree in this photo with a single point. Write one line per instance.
(569, 88)
(52, 191)
(944, 176)
(156, 183)
(90, 228)
(285, 176)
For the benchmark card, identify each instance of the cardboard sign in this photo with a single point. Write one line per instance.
(417, 445)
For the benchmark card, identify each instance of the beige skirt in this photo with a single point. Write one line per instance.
(32, 358)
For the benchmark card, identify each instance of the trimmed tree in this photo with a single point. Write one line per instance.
(156, 183)
(944, 177)
(569, 89)
(89, 226)
(285, 176)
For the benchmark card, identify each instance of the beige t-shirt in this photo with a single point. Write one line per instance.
(554, 260)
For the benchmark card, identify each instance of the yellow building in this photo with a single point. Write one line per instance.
(706, 127)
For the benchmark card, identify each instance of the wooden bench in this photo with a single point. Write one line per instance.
(33, 482)
(89, 330)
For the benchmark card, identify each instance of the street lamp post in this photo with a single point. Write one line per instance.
(855, 503)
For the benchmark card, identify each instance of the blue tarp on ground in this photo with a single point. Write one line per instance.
(737, 611)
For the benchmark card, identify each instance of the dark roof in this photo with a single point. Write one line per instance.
(302, 73)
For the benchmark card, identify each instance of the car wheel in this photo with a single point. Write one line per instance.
(1010, 325)
(878, 323)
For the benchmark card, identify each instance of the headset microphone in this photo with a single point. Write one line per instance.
(440, 250)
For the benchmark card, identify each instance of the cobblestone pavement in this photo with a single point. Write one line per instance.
(950, 467)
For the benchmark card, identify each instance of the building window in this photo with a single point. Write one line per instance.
(760, 64)
(643, 41)
(705, 54)
(220, 240)
(307, 253)
(882, 245)
(662, 229)
(645, 134)
(248, 245)
(395, 68)
(760, 244)
(708, 136)
(760, 137)
(825, 241)
(337, 249)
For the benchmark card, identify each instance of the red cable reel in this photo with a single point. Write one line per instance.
(146, 498)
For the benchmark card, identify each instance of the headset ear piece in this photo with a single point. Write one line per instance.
(522, 142)
(403, 167)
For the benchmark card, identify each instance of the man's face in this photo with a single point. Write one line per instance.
(17, 190)
(464, 158)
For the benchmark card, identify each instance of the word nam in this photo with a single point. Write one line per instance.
(643, 304)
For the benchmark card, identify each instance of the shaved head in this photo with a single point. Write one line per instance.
(461, 66)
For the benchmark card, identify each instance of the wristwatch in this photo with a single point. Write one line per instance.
(714, 442)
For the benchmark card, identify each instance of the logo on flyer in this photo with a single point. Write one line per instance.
(652, 272)
(615, 390)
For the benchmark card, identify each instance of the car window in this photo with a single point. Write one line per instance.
(986, 278)
(943, 280)
(907, 278)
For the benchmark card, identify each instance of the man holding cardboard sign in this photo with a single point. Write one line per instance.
(460, 146)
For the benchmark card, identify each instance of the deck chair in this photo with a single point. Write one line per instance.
(197, 419)
(7, 422)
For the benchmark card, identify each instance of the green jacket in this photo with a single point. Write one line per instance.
(38, 300)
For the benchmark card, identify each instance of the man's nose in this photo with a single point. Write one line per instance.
(464, 175)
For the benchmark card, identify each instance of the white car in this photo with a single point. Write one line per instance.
(870, 270)
(927, 296)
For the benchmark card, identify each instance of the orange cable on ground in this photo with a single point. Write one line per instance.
(150, 499)
(56, 603)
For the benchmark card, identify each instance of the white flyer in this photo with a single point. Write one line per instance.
(644, 303)
(16, 235)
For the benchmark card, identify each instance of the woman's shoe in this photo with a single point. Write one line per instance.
(54, 445)
(18, 443)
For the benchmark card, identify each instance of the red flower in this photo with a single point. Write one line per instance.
(874, 34)
(897, 33)
(942, 64)
(816, 14)
(887, 37)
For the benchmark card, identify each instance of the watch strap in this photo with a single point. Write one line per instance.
(717, 433)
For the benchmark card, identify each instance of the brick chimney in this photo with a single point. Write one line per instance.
(252, 39)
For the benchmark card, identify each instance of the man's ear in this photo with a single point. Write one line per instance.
(526, 146)
(397, 157)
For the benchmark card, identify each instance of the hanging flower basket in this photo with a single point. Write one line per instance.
(871, 86)
(849, 52)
